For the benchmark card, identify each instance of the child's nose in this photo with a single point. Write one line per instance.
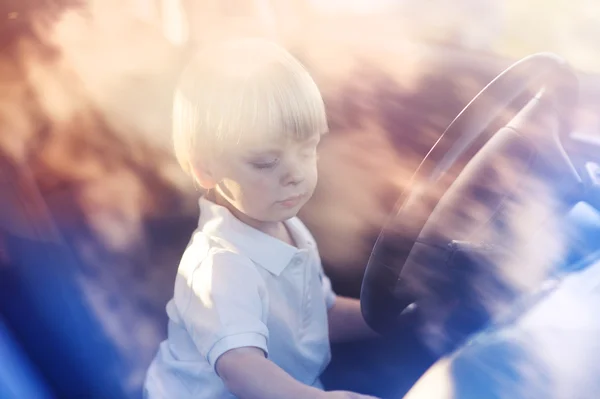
(293, 175)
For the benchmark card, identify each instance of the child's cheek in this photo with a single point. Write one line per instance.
(265, 185)
(261, 184)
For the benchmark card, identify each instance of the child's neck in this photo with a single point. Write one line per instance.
(274, 229)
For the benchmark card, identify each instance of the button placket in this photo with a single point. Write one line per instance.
(308, 281)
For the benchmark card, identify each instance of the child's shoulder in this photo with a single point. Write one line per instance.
(211, 279)
(205, 250)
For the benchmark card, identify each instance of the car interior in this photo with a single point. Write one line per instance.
(426, 257)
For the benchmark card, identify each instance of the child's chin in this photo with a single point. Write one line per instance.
(285, 214)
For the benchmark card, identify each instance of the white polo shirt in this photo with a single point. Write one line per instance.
(236, 287)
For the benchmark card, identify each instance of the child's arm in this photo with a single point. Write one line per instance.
(346, 322)
(249, 375)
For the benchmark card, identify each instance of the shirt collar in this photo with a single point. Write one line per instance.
(267, 251)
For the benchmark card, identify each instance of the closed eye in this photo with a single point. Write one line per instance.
(264, 165)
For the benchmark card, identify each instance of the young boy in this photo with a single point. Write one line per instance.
(253, 311)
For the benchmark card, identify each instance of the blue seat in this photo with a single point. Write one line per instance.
(44, 305)
(18, 377)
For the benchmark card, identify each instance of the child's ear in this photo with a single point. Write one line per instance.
(202, 174)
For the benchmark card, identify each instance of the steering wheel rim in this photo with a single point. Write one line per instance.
(385, 297)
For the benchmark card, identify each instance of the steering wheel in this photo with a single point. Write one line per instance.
(460, 198)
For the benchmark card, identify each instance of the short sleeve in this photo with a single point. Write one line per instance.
(225, 309)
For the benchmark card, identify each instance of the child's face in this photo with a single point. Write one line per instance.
(268, 180)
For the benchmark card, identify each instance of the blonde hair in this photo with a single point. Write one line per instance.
(239, 89)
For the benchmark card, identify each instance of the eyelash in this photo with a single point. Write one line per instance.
(263, 166)
(312, 152)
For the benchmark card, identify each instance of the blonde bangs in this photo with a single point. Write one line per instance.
(258, 91)
(282, 103)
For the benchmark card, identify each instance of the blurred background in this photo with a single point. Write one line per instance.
(85, 97)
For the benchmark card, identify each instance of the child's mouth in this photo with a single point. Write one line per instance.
(291, 201)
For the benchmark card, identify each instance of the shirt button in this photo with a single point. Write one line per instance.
(298, 259)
